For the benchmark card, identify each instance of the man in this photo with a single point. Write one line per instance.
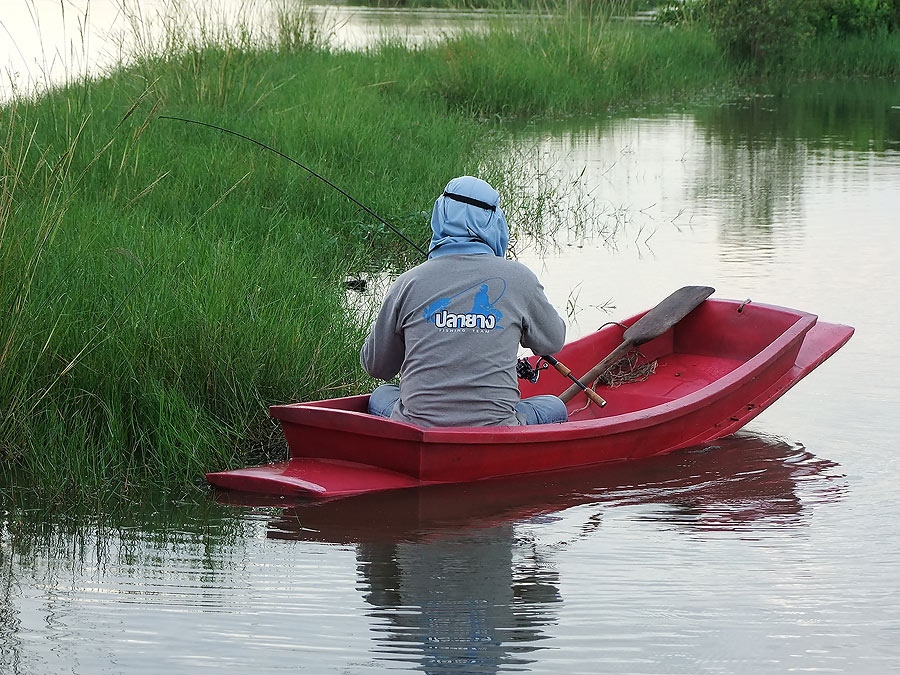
(452, 325)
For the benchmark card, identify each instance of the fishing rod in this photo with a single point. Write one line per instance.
(530, 373)
(305, 168)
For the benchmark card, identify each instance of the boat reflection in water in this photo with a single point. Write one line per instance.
(457, 581)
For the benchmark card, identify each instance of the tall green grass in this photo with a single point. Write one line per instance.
(573, 64)
(162, 284)
(847, 57)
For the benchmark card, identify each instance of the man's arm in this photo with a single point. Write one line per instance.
(383, 351)
(543, 330)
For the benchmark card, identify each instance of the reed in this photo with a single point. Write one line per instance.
(44, 183)
(848, 57)
(571, 63)
(188, 285)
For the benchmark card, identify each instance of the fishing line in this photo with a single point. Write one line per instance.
(305, 168)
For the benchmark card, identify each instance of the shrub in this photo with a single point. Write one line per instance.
(762, 31)
(768, 32)
(854, 17)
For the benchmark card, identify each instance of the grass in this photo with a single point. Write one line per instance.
(162, 284)
(849, 57)
(573, 66)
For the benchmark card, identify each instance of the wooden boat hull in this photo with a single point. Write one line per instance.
(715, 371)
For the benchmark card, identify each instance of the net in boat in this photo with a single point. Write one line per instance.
(627, 371)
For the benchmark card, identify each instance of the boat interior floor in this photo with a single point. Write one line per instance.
(676, 375)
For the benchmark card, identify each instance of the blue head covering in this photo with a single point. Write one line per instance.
(467, 218)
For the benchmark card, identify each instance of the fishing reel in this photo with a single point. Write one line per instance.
(525, 371)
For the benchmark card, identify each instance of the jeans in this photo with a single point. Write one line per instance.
(543, 409)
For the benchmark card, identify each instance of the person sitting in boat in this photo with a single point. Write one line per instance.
(452, 326)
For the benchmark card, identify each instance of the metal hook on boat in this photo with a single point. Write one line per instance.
(741, 307)
(613, 323)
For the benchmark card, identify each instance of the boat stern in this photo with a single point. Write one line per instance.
(311, 477)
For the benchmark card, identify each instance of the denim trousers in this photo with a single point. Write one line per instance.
(543, 409)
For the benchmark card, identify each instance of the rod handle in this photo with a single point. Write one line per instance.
(560, 367)
(595, 397)
(566, 372)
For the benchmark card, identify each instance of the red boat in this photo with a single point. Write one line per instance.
(712, 372)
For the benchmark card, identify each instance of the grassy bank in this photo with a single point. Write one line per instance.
(849, 58)
(575, 66)
(162, 284)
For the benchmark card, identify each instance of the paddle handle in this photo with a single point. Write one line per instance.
(565, 372)
(595, 372)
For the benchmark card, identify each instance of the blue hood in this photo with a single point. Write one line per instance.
(459, 226)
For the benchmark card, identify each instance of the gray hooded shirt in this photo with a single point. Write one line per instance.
(452, 326)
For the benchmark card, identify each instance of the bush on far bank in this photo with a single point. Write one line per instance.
(769, 32)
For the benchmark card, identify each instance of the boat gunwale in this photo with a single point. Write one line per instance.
(313, 413)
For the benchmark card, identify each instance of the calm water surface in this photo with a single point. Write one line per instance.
(771, 551)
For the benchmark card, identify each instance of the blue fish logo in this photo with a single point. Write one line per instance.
(484, 313)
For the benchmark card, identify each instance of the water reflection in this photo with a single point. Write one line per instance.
(459, 601)
(748, 169)
(755, 186)
(468, 578)
(860, 116)
(652, 179)
(456, 583)
(107, 590)
(758, 153)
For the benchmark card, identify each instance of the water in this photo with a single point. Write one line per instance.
(767, 552)
(44, 43)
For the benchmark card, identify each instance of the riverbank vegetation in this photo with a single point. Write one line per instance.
(791, 39)
(161, 284)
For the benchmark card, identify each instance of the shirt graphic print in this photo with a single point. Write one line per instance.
(452, 314)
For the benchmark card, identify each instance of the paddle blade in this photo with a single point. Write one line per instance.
(666, 314)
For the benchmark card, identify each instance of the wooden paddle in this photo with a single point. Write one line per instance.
(653, 324)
